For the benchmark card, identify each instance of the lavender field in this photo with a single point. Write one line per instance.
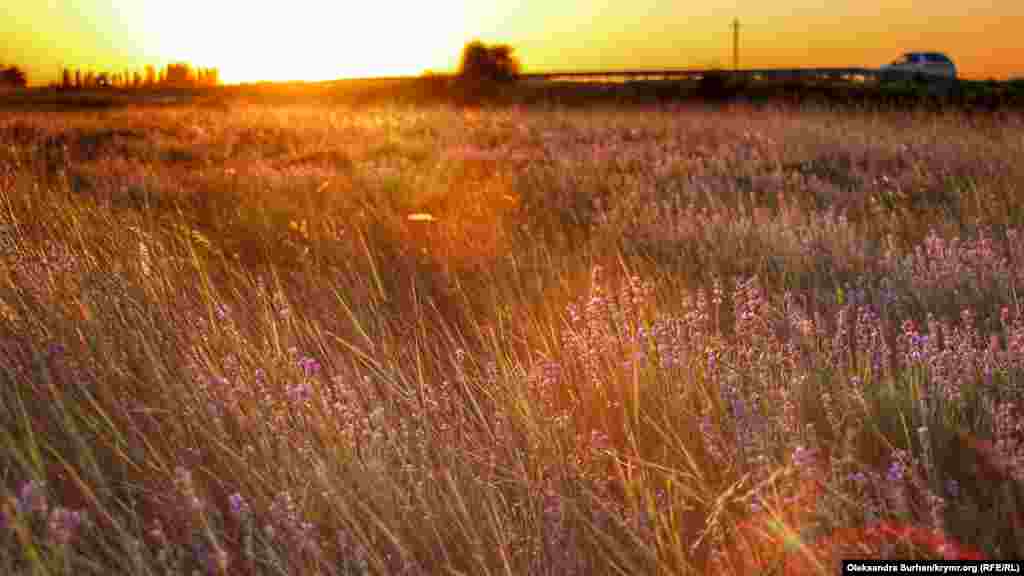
(385, 339)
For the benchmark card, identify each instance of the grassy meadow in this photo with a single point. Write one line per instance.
(305, 337)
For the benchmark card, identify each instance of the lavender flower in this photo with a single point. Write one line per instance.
(63, 525)
(299, 393)
(803, 457)
(32, 498)
(309, 366)
(953, 488)
(284, 512)
(238, 506)
(186, 489)
(896, 472)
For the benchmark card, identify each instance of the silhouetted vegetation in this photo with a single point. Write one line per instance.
(177, 75)
(180, 74)
(717, 85)
(483, 62)
(483, 70)
(13, 76)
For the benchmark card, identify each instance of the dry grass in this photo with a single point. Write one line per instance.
(638, 340)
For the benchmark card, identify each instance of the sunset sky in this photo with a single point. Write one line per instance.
(321, 39)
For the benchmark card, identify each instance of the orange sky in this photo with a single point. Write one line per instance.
(320, 39)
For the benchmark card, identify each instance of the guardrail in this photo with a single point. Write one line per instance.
(768, 73)
(679, 74)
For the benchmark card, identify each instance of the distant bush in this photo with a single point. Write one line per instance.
(492, 63)
(716, 85)
(13, 76)
(483, 71)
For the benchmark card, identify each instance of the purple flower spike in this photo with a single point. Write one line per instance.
(299, 393)
(895, 473)
(239, 507)
(310, 367)
(32, 497)
(63, 525)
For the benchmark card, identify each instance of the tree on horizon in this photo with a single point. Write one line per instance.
(483, 62)
(13, 76)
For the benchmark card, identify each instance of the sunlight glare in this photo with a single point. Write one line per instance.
(310, 39)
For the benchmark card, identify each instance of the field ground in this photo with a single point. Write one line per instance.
(280, 332)
(964, 95)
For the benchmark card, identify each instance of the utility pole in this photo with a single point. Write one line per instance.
(736, 44)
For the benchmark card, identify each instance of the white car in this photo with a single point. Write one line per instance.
(917, 64)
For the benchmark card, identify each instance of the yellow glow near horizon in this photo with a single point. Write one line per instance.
(324, 40)
(309, 39)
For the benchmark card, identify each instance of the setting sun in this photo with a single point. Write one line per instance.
(310, 40)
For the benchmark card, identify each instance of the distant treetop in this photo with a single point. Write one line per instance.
(483, 62)
(13, 76)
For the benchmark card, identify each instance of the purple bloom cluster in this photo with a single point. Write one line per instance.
(62, 524)
(238, 506)
(285, 517)
(32, 498)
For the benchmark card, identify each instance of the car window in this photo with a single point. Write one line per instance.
(914, 58)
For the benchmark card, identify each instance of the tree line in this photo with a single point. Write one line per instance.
(178, 74)
(479, 62)
(13, 76)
